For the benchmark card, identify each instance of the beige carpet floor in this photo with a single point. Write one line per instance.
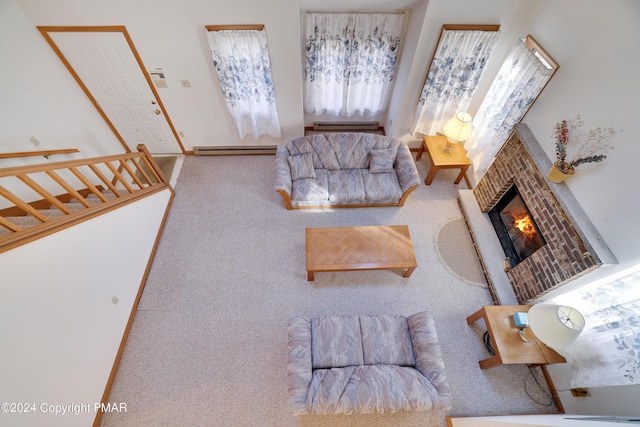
(208, 346)
(166, 163)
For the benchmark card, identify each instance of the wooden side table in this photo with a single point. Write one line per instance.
(434, 146)
(508, 346)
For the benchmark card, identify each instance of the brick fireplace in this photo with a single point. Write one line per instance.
(572, 246)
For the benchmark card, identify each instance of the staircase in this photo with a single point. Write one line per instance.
(53, 213)
(83, 190)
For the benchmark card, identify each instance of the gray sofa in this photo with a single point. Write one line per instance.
(344, 170)
(365, 365)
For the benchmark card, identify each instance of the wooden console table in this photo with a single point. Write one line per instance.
(359, 248)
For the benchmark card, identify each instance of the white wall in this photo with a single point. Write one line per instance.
(171, 35)
(412, 57)
(41, 99)
(60, 329)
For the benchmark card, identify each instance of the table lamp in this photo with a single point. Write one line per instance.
(555, 325)
(458, 129)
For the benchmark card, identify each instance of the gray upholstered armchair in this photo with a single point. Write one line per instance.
(365, 364)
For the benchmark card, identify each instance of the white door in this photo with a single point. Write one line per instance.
(105, 64)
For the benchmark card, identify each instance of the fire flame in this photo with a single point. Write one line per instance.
(525, 225)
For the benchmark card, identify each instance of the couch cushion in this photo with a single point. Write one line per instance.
(346, 187)
(381, 161)
(381, 187)
(311, 190)
(324, 155)
(369, 389)
(386, 340)
(319, 147)
(299, 372)
(351, 149)
(301, 166)
(429, 362)
(336, 342)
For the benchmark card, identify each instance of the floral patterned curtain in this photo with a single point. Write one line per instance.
(517, 85)
(453, 76)
(350, 62)
(241, 60)
(607, 352)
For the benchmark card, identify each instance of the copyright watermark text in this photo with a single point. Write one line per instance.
(57, 409)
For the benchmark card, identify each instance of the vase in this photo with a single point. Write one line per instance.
(557, 176)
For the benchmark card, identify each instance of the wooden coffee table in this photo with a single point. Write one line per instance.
(360, 248)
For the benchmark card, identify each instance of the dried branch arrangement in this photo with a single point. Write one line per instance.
(592, 144)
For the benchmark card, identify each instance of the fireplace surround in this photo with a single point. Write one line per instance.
(571, 245)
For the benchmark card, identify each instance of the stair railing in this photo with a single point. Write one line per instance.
(45, 153)
(96, 186)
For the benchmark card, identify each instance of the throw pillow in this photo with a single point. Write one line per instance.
(301, 166)
(381, 161)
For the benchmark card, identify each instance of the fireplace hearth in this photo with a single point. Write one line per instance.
(515, 227)
(544, 229)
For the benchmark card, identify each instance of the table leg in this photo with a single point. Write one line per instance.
(431, 175)
(408, 272)
(310, 276)
(475, 316)
(490, 362)
(552, 388)
(420, 151)
(463, 174)
(466, 179)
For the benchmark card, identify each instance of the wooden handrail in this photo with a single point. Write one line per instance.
(124, 175)
(16, 170)
(45, 153)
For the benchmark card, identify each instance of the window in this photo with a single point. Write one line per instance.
(523, 75)
(607, 351)
(350, 62)
(241, 59)
(457, 65)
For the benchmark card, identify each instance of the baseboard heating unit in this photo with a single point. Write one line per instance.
(351, 126)
(233, 150)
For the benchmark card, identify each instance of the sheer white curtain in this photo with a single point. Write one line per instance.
(350, 62)
(607, 353)
(453, 77)
(241, 59)
(517, 85)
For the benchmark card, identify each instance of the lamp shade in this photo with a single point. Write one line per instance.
(458, 129)
(555, 325)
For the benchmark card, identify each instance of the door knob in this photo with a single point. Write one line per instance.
(157, 111)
